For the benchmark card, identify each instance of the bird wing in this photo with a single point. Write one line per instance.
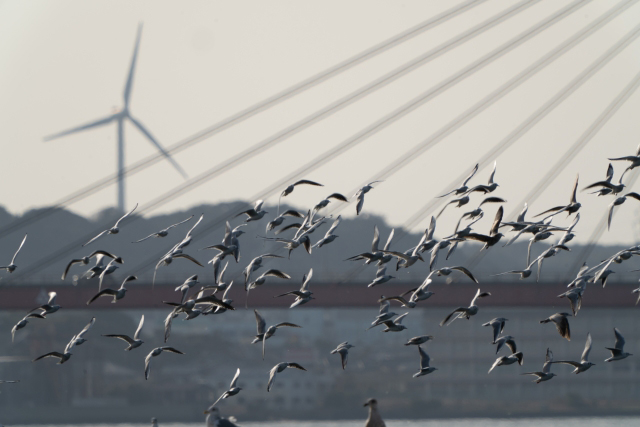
(511, 344)
(272, 376)
(611, 206)
(475, 236)
(66, 270)
(101, 293)
(398, 320)
(631, 194)
(568, 362)
(21, 245)
(307, 182)
(575, 189)
(400, 299)
(171, 350)
(384, 306)
(52, 354)
(276, 273)
(381, 272)
(126, 215)
(258, 205)
(147, 365)
(376, 239)
(295, 365)
(292, 325)
(450, 315)
(189, 257)
(178, 223)
(338, 196)
(587, 349)
(496, 221)
(122, 337)
(610, 172)
(492, 200)
(167, 325)
(493, 172)
(466, 272)
(86, 328)
(522, 213)
(334, 226)
(424, 358)
(473, 172)
(305, 280)
(563, 328)
(235, 379)
(145, 238)
(397, 254)
(619, 345)
(260, 322)
(95, 238)
(137, 334)
(360, 203)
(546, 368)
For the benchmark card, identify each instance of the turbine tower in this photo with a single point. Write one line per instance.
(120, 117)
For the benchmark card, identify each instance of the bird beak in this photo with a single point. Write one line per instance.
(366, 404)
(420, 258)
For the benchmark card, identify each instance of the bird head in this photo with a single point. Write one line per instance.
(371, 402)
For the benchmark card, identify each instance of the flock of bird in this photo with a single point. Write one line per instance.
(212, 298)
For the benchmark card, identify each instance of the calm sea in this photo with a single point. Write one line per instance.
(474, 422)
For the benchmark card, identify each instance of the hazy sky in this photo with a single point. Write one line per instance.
(64, 63)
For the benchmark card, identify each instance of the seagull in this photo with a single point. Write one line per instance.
(429, 241)
(279, 368)
(110, 268)
(562, 324)
(134, 342)
(255, 264)
(374, 420)
(254, 214)
(492, 185)
(383, 315)
(465, 311)
(114, 229)
(607, 186)
(461, 201)
(85, 260)
(154, 422)
(324, 202)
(617, 202)
(156, 352)
(50, 307)
(498, 326)
(635, 160)
(463, 188)
(407, 259)
(375, 254)
(291, 187)
(571, 208)
(523, 273)
(360, 196)
(584, 364)
(637, 291)
(419, 340)
(216, 309)
(22, 323)
(75, 340)
(519, 223)
(188, 284)
(329, 236)
(187, 238)
(422, 292)
(79, 338)
(546, 373)
(508, 360)
(280, 219)
(168, 259)
(381, 277)
(424, 364)
(163, 232)
(215, 420)
(617, 352)
(97, 269)
(445, 271)
(343, 351)
(263, 277)
(400, 298)
(568, 234)
(493, 237)
(505, 340)
(477, 212)
(395, 325)
(233, 388)
(551, 251)
(265, 333)
(116, 294)
(574, 295)
(11, 267)
(303, 296)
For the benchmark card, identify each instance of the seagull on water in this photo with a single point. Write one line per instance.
(584, 364)
(12, 266)
(343, 351)
(617, 352)
(134, 342)
(114, 229)
(164, 232)
(279, 368)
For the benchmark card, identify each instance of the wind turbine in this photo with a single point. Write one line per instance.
(119, 117)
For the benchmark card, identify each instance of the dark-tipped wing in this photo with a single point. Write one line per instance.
(496, 222)
(307, 182)
(52, 354)
(424, 358)
(260, 322)
(171, 350)
(295, 365)
(125, 338)
(103, 292)
(466, 272)
(619, 339)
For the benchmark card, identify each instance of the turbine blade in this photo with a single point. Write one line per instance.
(158, 146)
(129, 84)
(89, 125)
